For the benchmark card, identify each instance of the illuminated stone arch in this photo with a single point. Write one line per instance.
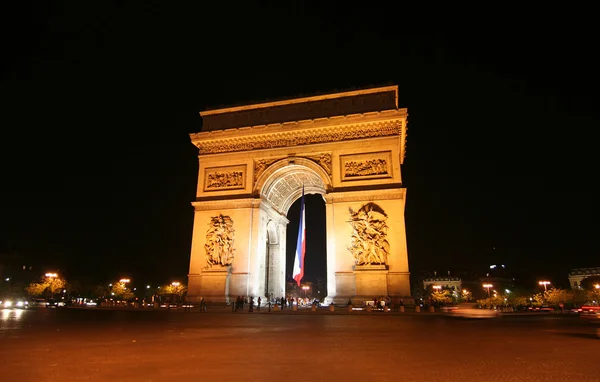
(255, 160)
(281, 183)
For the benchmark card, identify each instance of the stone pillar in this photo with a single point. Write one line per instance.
(215, 284)
(371, 281)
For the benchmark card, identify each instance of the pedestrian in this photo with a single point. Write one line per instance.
(258, 305)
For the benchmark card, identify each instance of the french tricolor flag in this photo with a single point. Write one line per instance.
(298, 273)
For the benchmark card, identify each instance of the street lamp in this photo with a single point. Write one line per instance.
(51, 275)
(306, 287)
(175, 285)
(597, 286)
(544, 283)
(488, 286)
(124, 281)
(437, 287)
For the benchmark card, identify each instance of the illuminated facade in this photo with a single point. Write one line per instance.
(577, 276)
(254, 161)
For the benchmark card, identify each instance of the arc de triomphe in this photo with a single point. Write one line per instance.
(254, 160)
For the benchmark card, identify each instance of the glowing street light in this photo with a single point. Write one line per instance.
(51, 275)
(488, 286)
(437, 287)
(597, 286)
(306, 287)
(544, 283)
(124, 281)
(176, 283)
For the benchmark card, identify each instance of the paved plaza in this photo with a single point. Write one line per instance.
(62, 345)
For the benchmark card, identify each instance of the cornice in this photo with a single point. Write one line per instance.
(322, 97)
(365, 196)
(298, 133)
(228, 204)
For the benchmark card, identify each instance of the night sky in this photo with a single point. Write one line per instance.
(98, 171)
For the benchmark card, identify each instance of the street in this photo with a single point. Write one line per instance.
(108, 345)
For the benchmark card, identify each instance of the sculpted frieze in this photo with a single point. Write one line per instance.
(224, 178)
(366, 166)
(369, 236)
(290, 139)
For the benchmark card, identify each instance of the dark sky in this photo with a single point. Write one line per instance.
(98, 171)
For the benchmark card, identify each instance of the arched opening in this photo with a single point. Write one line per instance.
(315, 270)
(280, 188)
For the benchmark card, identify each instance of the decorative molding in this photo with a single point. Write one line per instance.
(225, 178)
(366, 166)
(226, 204)
(219, 242)
(322, 159)
(213, 145)
(370, 247)
(365, 196)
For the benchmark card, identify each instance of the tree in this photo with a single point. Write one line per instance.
(594, 295)
(441, 298)
(56, 284)
(35, 289)
(120, 290)
(538, 300)
(174, 289)
(50, 285)
(555, 297)
(517, 301)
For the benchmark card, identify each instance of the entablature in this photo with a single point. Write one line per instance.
(299, 133)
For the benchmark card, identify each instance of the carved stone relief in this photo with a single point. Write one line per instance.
(366, 166)
(224, 178)
(290, 139)
(219, 242)
(324, 160)
(261, 165)
(369, 236)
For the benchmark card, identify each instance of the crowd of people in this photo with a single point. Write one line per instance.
(282, 302)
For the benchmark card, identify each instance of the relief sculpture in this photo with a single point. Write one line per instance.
(225, 179)
(261, 165)
(365, 168)
(324, 160)
(269, 141)
(369, 236)
(219, 242)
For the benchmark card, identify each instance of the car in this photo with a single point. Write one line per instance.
(54, 303)
(472, 310)
(14, 302)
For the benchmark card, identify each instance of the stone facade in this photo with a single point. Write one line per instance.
(576, 276)
(252, 174)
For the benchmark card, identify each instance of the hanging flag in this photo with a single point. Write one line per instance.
(298, 272)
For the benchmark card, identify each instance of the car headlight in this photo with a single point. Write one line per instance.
(20, 303)
(7, 303)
